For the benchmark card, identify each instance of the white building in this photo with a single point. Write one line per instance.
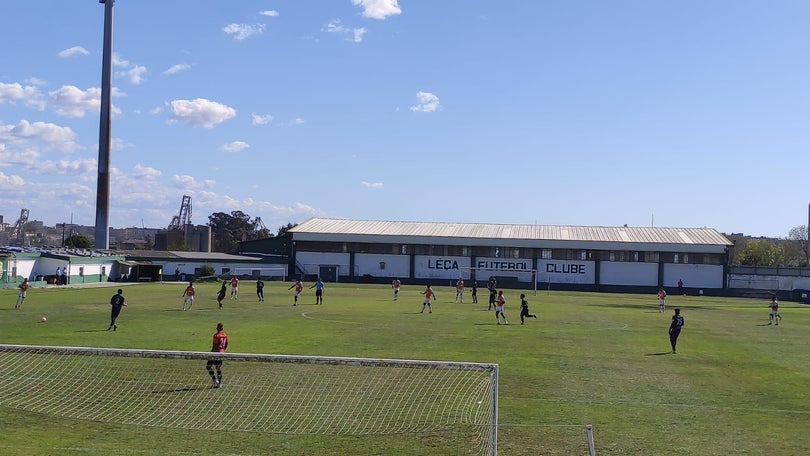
(558, 257)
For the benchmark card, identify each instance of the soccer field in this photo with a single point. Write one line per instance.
(736, 386)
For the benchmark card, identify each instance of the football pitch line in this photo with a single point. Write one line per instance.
(669, 405)
(81, 450)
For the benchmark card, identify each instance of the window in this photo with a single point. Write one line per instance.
(583, 255)
(545, 254)
(515, 253)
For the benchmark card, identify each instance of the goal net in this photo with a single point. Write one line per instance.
(259, 393)
(277, 272)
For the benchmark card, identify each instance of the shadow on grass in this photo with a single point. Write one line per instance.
(92, 330)
(178, 390)
(658, 354)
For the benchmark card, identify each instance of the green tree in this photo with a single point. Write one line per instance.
(797, 248)
(761, 252)
(79, 241)
(282, 230)
(229, 230)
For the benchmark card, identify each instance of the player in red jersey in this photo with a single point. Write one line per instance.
(299, 286)
(429, 296)
(460, 290)
(234, 287)
(23, 292)
(395, 285)
(188, 296)
(774, 313)
(219, 345)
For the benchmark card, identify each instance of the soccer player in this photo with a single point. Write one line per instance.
(395, 286)
(662, 299)
(524, 309)
(475, 292)
(493, 294)
(234, 287)
(429, 296)
(23, 292)
(499, 303)
(774, 313)
(116, 303)
(219, 345)
(188, 296)
(260, 289)
(460, 290)
(675, 328)
(299, 286)
(221, 293)
(318, 285)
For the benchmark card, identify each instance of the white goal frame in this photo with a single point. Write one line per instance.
(283, 394)
(502, 273)
(266, 272)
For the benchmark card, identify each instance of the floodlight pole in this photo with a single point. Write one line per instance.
(102, 240)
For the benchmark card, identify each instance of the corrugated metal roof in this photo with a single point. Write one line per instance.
(315, 228)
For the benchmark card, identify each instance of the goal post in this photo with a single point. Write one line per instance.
(284, 394)
(255, 273)
(528, 276)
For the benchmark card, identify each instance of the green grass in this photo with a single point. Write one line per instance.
(736, 386)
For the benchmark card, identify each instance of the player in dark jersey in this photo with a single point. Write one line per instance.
(219, 345)
(675, 328)
(524, 309)
(116, 303)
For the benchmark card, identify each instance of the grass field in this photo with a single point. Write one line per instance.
(736, 386)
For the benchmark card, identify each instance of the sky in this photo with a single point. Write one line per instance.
(598, 113)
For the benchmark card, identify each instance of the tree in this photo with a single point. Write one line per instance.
(761, 252)
(79, 241)
(797, 248)
(282, 230)
(228, 230)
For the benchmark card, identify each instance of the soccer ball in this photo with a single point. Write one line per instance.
(43, 319)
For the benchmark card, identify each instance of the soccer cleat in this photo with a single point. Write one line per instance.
(109, 328)
(215, 384)
(115, 327)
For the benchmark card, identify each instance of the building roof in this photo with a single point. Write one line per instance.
(706, 240)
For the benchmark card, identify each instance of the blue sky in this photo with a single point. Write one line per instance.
(679, 114)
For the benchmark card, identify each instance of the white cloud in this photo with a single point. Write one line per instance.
(425, 102)
(118, 61)
(378, 9)
(243, 31)
(372, 184)
(355, 34)
(84, 168)
(297, 121)
(54, 136)
(201, 112)
(30, 95)
(177, 68)
(184, 181)
(75, 50)
(146, 172)
(262, 120)
(70, 101)
(13, 180)
(136, 74)
(358, 34)
(234, 146)
(269, 13)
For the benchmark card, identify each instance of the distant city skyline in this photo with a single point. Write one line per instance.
(689, 114)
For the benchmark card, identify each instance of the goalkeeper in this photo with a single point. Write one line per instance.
(219, 345)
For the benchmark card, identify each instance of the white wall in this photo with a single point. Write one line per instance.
(623, 273)
(441, 267)
(693, 276)
(25, 267)
(395, 265)
(311, 261)
(566, 271)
